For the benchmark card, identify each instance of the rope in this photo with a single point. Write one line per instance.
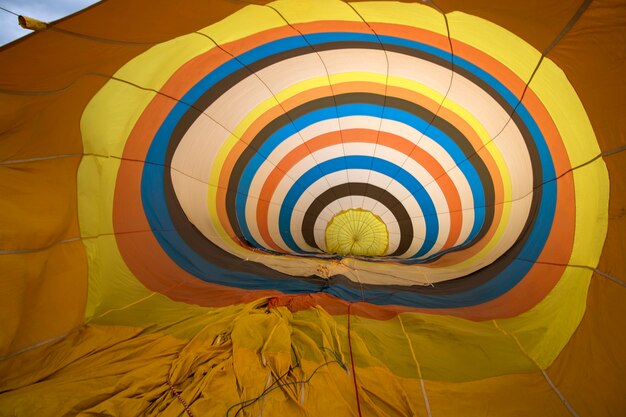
(9, 11)
(356, 387)
(543, 372)
(274, 386)
(177, 395)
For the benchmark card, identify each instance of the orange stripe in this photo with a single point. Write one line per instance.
(128, 212)
(414, 152)
(358, 136)
(235, 153)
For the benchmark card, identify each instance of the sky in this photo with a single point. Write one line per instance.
(46, 10)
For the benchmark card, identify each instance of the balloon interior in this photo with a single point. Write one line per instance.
(314, 208)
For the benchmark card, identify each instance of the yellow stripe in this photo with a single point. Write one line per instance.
(245, 22)
(314, 11)
(506, 47)
(542, 331)
(409, 14)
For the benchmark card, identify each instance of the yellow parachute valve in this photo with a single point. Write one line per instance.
(357, 232)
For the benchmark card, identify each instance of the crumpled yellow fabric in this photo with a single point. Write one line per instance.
(247, 361)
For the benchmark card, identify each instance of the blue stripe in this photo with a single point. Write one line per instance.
(274, 140)
(358, 162)
(153, 198)
(153, 195)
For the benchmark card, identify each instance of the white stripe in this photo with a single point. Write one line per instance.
(235, 104)
(196, 152)
(337, 206)
(339, 61)
(519, 168)
(284, 74)
(484, 108)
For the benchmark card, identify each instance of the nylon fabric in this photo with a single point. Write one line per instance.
(173, 180)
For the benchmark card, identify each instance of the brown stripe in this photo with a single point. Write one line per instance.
(362, 189)
(361, 98)
(203, 247)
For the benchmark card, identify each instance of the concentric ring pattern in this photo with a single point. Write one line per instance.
(253, 144)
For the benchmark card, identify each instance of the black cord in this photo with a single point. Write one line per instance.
(9, 11)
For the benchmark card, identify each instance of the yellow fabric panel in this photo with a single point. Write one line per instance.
(590, 370)
(410, 14)
(42, 294)
(529, 341)
(496, 42)
(302, 12)
(538, 22)
(96, 186)
(357, 232)
(101, 134)
(438, 358)
(111, 285)
(591, 185)
(567, 113)
(246, 22)
(572, 287)
(164, 60)
(543, 331)
(225, 366)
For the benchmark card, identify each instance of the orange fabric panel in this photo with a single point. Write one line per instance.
(42, 294)
(590, 371)
(588, 53)
(614, 246)
(29, 122)
(51, 77)
(43, 125)
(592, 54)
(518, 395)
(143, 20)
(52, 59)
(51, 62)
(38, 203)
(61, 384)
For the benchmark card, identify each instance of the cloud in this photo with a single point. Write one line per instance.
(45, 10)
